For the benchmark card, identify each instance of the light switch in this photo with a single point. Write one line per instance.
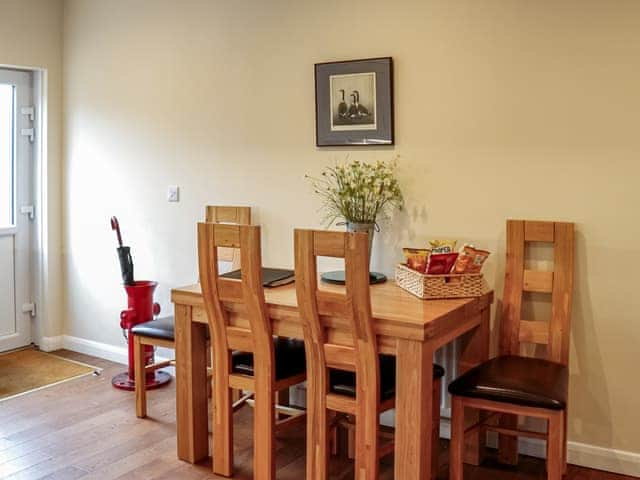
(173, 193)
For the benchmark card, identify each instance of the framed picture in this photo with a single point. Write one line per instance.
(354, 102)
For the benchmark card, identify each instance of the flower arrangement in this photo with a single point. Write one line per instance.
(358, 192)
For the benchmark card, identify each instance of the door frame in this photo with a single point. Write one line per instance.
(42, 258)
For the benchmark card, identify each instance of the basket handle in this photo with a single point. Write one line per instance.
(450, 280)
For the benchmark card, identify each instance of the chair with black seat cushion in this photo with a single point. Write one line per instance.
(512, 384)
(349, 377)
(160, 328)
(159, 332)
(246, 357)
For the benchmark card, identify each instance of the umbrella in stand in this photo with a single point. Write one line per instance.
(124, 255)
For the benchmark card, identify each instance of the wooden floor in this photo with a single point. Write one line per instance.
(85, 429)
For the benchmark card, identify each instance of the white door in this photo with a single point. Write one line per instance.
(17, 127)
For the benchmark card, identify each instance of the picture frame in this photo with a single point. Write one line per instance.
(354, 102)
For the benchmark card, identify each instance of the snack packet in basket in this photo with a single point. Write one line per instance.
(441, 263)
(416, 258)
(443, 246)
(470, 260)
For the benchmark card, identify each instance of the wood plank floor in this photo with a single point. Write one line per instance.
(85, 429)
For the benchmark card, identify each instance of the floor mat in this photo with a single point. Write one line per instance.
(23, 371)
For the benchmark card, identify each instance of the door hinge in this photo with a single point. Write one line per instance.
(28, 210)
(28, 132)
(30, 111)
(29, 308)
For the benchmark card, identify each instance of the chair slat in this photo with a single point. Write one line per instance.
(228, 214)
(562, 296)
(340, 356)
(331, 304)
(239, 339)
(512, 297)
(241, 382)
(538, 281)
(534, 332)
(329, 245)
(230, 290)
(341, 403)
(340, 337)
(227, 235)
(535, 231)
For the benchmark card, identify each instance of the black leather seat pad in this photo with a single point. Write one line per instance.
(531, 382)
(344, 382)
(289, 359)
(159, 328)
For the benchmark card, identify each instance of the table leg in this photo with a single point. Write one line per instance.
(191, 387)
(474, 349)
(414, 384)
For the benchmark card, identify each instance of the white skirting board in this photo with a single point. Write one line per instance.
(113, 353)
(591, 456)
(49, 344)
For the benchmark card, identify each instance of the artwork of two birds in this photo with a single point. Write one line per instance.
(354, 110)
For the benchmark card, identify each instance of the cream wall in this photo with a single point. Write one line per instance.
(31, 36)
(503, 109)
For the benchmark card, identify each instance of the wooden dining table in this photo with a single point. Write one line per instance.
(407, 327)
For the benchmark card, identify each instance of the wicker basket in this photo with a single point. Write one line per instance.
(440, 286)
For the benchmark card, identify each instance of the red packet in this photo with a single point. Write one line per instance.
(441, 263)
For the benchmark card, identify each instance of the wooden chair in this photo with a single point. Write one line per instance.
(511, 384)
(246, 356)
(345, 372)
(160, 332)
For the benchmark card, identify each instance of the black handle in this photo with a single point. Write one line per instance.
(116, 226)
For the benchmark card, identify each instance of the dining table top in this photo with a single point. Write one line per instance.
(392, 307)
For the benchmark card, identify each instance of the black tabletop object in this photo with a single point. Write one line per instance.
(337, 277)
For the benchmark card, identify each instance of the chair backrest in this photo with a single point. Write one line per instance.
(356, 349)
(554, 333)
(247, 293)
(228, 214)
